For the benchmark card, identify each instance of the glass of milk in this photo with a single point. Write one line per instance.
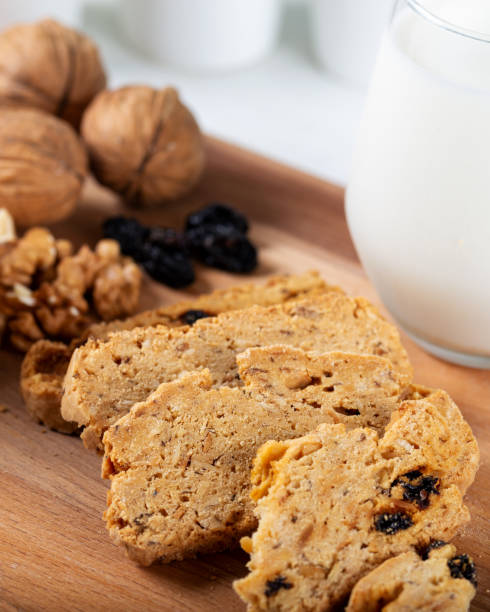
(418, 203)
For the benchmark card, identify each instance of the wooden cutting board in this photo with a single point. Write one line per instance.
(54, 550)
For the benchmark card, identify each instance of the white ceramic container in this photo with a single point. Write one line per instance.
(418, 202)
(15, 11)
(346, 35)
(202, 35)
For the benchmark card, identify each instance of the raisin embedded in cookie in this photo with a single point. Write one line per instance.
(105, 379)
(180, 461)
(334, 504)
(444, 581)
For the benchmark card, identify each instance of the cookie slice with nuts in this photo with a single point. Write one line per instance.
(334, 504)
(276, 290)
(113, 297)
(41, 380)
(443, 581)
(437, 435)
(180, 461)
(105, 379)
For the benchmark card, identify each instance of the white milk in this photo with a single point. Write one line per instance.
(418, 204)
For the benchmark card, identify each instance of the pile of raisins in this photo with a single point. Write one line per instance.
(214, 235)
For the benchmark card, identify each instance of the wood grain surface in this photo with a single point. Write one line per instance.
(55, 553)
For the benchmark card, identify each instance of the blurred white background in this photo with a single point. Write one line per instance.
(287, 106)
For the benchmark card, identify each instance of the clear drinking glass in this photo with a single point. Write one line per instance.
(418, 202)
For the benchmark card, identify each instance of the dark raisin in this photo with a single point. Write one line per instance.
(222, 247)
(191, 316)
(130, 234)
(413, 474)
(170, 266)
(272, 586)
(424, 552)
(391, 523)
(417, 488)
(165, 237)
(217, 214)
(462, 566)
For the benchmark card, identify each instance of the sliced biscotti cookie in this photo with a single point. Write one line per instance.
(292, 374)
(105, 379)
(334, 504)
(445, 581)
(412, 432)
(277, 290)
(45, 364)
(180, 461)
(41, 383)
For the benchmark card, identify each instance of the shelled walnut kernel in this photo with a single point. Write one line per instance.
(47, 291)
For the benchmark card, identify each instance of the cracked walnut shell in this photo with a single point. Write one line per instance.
(42, 166)
(143, 143)
(48, 66)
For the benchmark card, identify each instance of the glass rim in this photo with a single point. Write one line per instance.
(430, 16)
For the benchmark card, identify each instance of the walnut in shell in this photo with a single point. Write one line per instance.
(42, 166)
(48, 66)
(143, 143)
